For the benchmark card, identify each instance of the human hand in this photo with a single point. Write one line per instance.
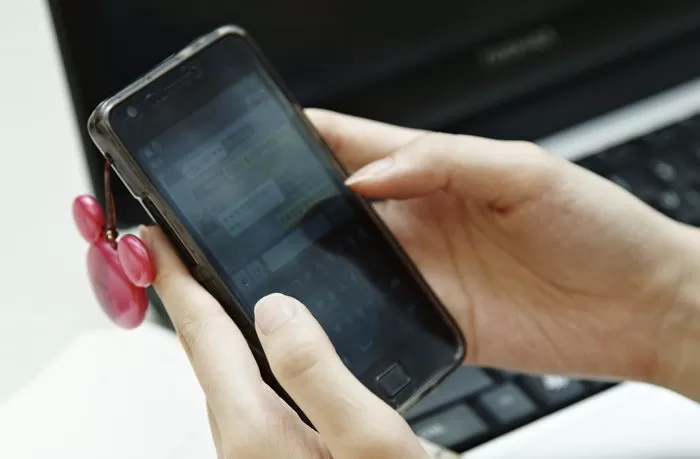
(248, 419)
(539, 275)
(546, 267)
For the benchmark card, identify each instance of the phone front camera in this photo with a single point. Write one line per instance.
(132, 112)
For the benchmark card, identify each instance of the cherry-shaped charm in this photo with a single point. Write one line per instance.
(119, 271)
(124, 302)
(135, 260)
(89, 217)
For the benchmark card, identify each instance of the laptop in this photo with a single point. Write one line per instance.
(613, 86)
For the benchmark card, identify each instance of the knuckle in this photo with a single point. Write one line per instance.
(544, 165)
(430, 147)
(434, 142)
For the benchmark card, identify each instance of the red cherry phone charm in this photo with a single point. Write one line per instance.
(119, 270)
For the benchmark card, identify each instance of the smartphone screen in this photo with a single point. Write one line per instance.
(266, 202)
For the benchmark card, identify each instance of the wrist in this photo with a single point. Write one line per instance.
(678, 346)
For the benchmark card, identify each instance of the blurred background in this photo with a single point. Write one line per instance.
(612, 85)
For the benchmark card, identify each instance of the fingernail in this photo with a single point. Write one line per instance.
(273, 311)
(371, 170)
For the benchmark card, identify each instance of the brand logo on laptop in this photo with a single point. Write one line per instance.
(513, 50)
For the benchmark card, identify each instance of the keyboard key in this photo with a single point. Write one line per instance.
(508, 404)
(452, 427)
(667, 202)
(663, 170)
(621, 182)
(555, 390)
(686, 167)
(462, 383)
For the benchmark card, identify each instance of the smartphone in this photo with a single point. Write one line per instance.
(224, 160)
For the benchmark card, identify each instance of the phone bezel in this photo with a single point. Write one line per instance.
(135, 180)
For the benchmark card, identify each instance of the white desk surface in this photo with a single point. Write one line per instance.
(45, 300)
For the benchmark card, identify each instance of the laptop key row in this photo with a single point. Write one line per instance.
(475, 404)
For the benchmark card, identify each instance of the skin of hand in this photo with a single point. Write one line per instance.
(545, 267)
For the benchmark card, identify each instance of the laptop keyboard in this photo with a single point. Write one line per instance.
(661, 168)
(475, 405)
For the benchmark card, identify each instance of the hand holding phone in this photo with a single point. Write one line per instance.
(226, 163)
(247, 418)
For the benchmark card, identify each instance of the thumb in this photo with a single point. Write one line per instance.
(352, 421)
(500, 173)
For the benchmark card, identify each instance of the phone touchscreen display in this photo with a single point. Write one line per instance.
(266, 203)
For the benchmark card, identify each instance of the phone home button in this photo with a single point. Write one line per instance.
(393, 380)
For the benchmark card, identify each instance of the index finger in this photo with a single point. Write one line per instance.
(217, 350)
(359, 141)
